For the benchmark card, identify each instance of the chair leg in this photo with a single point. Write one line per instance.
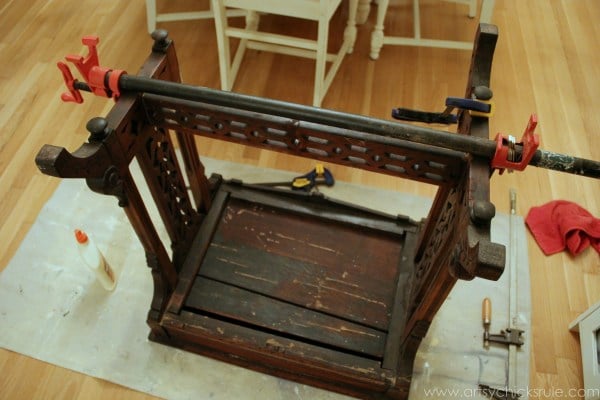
(487, 8)
(320, 61)
(362, 14)
(377, 34)
(222, 44)
(473, 8)
(350, 31)
(416, 20)
(252, 21)
(151, 15)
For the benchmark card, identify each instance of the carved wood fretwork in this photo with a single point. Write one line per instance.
(438, 250)
(165, 180)
(366, 151)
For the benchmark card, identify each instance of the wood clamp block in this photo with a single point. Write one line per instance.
(508, 336)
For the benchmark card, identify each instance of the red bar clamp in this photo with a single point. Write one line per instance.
(506, 156)
(73, 95)
(101, 81)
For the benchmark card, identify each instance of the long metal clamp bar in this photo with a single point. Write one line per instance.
(112, 83)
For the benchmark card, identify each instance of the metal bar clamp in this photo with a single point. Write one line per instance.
(507, 155)
(102, 81)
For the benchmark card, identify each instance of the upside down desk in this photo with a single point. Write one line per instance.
(47, 298)
(318, 291)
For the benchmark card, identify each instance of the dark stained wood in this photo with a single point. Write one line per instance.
(373, 152)
(276, 355)
(200, 245)
(274, 314)
(449, 249)
(198, 182)
(322, 266)
(296, 285)
(328, 209)
(399, 315)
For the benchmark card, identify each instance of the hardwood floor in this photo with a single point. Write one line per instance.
(547, 61)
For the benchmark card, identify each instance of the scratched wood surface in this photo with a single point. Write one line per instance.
(341, 366)
(317, 286)
(318, 264)
(300, 276)
(547, 61)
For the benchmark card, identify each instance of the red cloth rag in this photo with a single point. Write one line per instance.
(562, 224)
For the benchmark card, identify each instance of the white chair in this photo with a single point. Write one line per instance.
(152, 17)
(588, 326)
(252, 38)
(378, 39)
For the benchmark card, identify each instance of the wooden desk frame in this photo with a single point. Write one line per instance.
(301, 312)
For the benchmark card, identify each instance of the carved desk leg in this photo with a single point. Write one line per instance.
(455, 243)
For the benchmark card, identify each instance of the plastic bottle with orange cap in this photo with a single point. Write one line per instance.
(93, 258)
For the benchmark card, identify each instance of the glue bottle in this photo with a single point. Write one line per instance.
(93, 258)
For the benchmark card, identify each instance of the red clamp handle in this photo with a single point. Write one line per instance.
(73, 95)
(102, 81)
(506, 156)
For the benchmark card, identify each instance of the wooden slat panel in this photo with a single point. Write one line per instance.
(291, 359)
(334, 246)
(399, 308)
(197, 253)
(297, 282)
(250, 308)
(330, 209)
(320, 265)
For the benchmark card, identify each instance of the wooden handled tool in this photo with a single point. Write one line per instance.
(486, 316)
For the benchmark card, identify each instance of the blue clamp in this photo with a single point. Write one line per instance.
(480, 106)
(319, 175)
